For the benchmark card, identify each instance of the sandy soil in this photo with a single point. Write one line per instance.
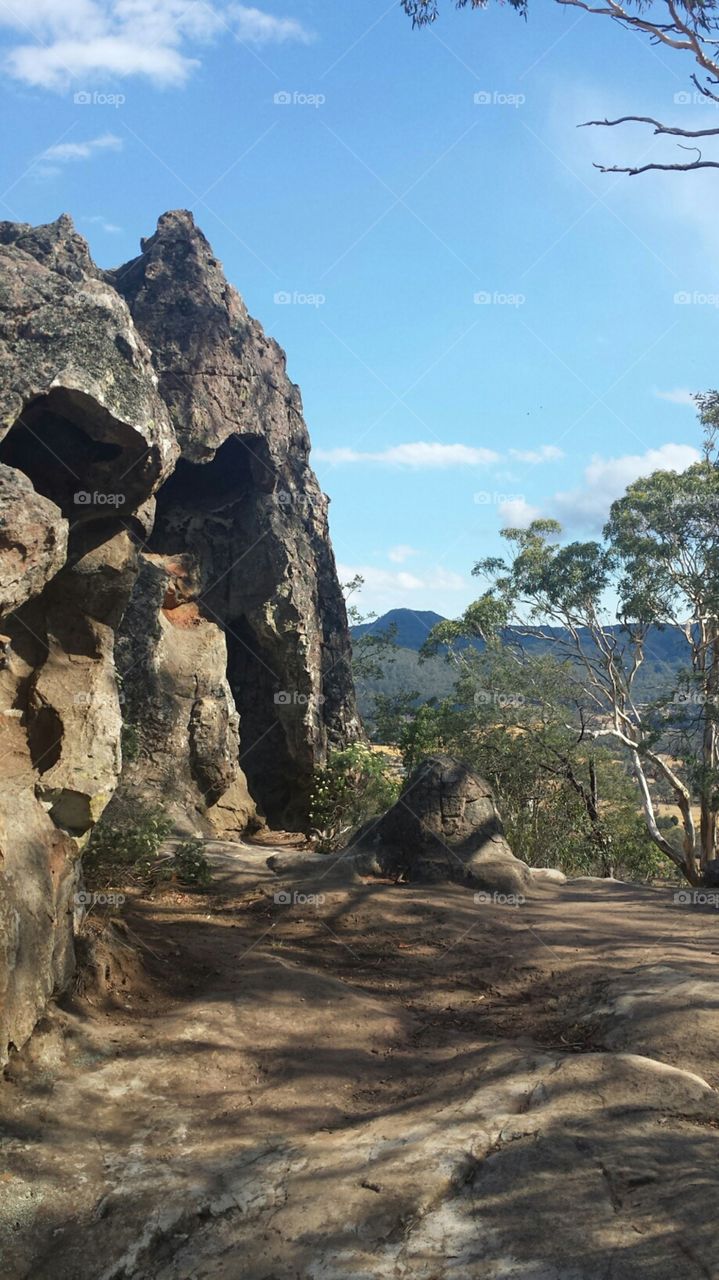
(391, 1081)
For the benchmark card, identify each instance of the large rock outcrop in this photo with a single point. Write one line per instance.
(444, 826)
(244, 509)
(190, 612)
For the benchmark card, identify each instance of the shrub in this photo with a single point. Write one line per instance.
(355, 784)
(131, 851)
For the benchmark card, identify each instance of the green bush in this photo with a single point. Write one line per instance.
(355, 784)
(131, 851)
(189, 864)
(128, 846)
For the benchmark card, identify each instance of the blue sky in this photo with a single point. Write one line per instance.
(482, 325)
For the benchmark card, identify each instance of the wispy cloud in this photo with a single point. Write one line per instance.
(680, 395)
(545, 453)
(97, 220)
(257, 27)
(604, 480)
(384, 588)
(401, 553)
(65, 152)
(517, 513)
(423, 455)
(83, 40)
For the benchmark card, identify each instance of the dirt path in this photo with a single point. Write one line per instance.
(392, 1082)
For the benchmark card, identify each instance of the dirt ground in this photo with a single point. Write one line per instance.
(365, 1080)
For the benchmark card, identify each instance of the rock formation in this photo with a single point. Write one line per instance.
(166, 577)
(445, 826)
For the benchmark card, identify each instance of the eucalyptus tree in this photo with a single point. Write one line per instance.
(688, 27)
(595, 606)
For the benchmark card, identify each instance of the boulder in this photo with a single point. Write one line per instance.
(444, 826)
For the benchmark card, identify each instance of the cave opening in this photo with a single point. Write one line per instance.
(74, 454)
(230, 491)
(265, 756)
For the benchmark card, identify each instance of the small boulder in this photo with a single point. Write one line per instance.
(444, 826)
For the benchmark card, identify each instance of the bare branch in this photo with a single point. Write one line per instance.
(644, 168)
(658, 126)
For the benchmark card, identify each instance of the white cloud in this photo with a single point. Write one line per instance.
(97, 220)
(82, 40)
(69, 151)
(433, 588)
(257, 27)
(545, 453)
(680, 395)
(606, 479)
(399, 554)
(517, 513)
(419, 454)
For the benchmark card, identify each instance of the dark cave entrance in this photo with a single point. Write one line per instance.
(76, 455)
(223, 504)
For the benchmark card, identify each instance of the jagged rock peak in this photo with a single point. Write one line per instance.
(56, 244)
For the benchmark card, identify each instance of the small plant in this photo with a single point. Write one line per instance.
(131, 851)
(354, 785)
(129, 847)
(190, 865)
(130, 743)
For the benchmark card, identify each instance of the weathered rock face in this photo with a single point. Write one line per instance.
(445, 826)
(84, 440)
(182, 738)
(139, 602)
(244, 509)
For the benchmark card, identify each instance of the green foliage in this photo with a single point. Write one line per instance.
(391, 712)
(131, 846)
(423, 12)
(187, 864)
(371, 651)
(130, 743)
(427, 733)
(119, 851)
(355, 784)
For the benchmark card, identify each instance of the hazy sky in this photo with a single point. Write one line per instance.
(482, 325)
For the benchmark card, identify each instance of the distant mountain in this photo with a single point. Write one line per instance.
(413, 627)
(665, 653)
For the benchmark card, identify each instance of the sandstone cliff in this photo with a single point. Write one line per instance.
(166, 575)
